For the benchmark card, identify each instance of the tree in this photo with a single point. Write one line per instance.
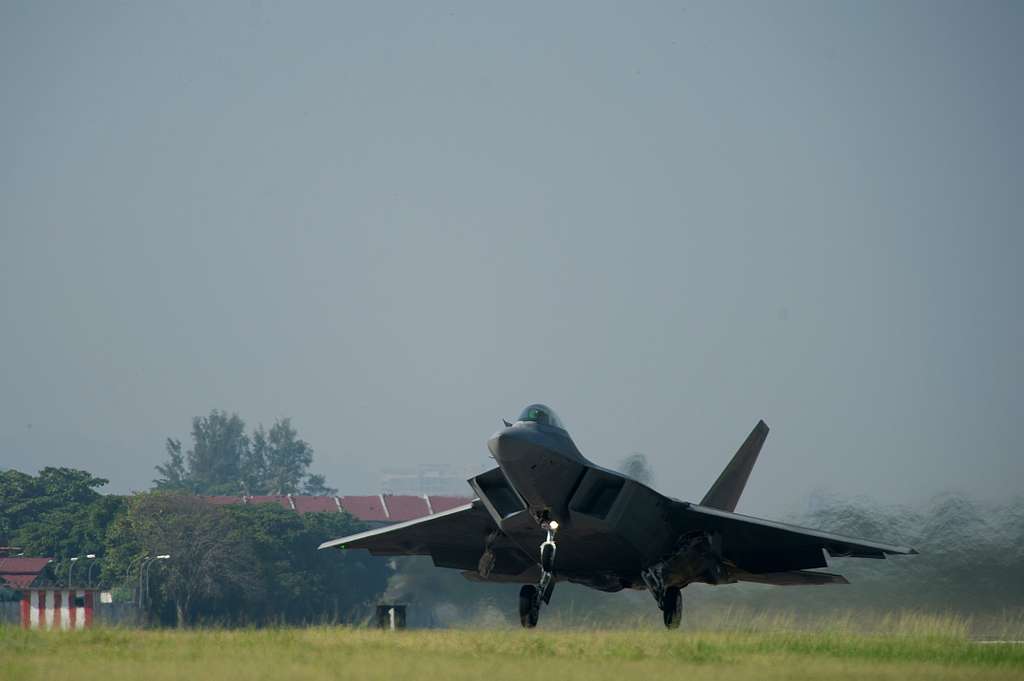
(17, 492)
(264, 569)
(277, 461)
(254, 465)
(299, 584)
(289, 458)
(316, 485)
(224, 460)
(219, 445)
(207, 557)
(213, 464)
(24, 497)
(175, 475)
(57, 513)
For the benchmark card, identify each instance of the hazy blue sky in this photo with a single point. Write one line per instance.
(399, 223)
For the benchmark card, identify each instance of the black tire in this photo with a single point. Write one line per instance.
(529, 606)
(672, 607)
(547, 557)
(714, 574)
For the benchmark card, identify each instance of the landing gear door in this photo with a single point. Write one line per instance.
(499, 497)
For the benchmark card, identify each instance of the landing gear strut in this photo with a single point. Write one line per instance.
(669, 598)
(487, 560)
(547, 561)
(672, 607)
(530, 596)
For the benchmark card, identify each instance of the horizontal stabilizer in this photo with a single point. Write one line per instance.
(528, 576)
(758, 545)
(726, 491)
(792, 578)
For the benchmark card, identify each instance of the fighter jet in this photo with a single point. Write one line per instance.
(547, 514)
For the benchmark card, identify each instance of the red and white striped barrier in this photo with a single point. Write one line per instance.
(60, 609)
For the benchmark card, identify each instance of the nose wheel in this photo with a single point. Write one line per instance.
(530, 596)
(529, 606)
(547, 556)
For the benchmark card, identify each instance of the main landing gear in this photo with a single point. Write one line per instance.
(530, 596)
(669, 598)
(672, 607)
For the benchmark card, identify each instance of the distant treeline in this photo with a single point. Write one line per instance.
(239, 564)
(236, 564)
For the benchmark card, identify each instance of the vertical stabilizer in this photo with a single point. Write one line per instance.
(726, 491)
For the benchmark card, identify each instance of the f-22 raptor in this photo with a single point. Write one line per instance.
(547, 514)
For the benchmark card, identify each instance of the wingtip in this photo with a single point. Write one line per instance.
(904, 551)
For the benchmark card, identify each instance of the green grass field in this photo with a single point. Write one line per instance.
(896, 647)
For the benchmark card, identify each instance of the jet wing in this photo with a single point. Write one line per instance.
(455, 538)
(759, 546)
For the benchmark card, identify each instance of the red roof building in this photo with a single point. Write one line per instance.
(284, 500)
(402, 507)
(305, 504)
(379, 508)
(368, 509)
(443, 503)
(223, 501)
(21, 573)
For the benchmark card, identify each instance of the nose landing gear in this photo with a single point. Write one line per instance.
(529, 606)
(530, 596)
(547, 561)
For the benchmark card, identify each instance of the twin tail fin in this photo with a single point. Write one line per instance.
(725, 493)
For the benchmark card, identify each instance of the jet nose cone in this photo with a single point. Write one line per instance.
(492, 444)
(508, 444)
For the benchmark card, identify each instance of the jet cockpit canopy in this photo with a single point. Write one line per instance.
(543, 414)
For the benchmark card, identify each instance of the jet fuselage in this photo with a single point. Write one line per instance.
(542, 463)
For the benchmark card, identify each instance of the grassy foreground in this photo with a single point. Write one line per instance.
(905, 647)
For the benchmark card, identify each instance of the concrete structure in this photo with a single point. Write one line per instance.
(390, 616)
(58, 609)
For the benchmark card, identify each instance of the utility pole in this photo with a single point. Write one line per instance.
(90, 556)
